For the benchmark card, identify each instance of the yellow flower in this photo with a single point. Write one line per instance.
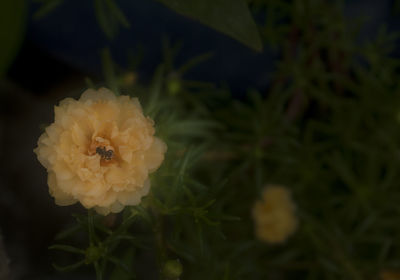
(389, 275)
(274, 216)
(99, 151)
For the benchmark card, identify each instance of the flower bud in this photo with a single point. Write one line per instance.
(172, 269)
(275, 215)
(174, 86)
(92, 254)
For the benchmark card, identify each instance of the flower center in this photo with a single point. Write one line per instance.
(104, 153)
(103, 148)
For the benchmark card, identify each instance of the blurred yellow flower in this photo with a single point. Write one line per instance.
(274, 216)
(389, 275)
(99, 151)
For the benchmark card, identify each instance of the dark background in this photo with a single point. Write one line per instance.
(63, 48)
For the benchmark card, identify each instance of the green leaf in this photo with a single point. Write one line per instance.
(67, 248)
(65, 233)
(155, 91)
(46, 8)
(105, 19)
(194, 62)
(120, 272)
(89, 83)
(68, 267)
(12, 29)
(191, 127)
(109, 16)
(108, 70)
(231, 17)
(117, 13)
(99, 271)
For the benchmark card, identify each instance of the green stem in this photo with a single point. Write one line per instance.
(99, 273)
(91, 227)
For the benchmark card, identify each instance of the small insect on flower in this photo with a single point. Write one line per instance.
(274, 215)
(100, 151)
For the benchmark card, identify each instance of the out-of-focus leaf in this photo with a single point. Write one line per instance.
(65, 233)
(117, 13)
(67, 248)
(12, 29)
(46, 7)
(104, 19)
(124, 271)
(68, 267)
(194, 62)
(231, 17)
(152, 107)
(108, 70)
(192, 127)
(109, 16)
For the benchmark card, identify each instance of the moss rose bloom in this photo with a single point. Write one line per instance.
(274, 216)
(99, 151)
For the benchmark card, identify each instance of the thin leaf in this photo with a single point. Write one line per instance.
(67, 232)
(68, 267)
(231, 17)
(89, 83)
(155, 90)
(119, 15)
(67, 248)
(120, 273)
(103, 18)
(194, 61)
(46, 8)
(99, 272)
(108, 70)
(120, 264)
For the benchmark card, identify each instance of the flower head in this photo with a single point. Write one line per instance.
(274, 215)
(99, 151)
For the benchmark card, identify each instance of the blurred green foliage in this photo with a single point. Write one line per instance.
(13, 15)
(231, 17)
(327, 129)
(109, 17)
(46, 6)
